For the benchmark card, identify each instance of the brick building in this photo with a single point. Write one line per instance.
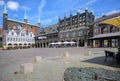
(47, 35)
(106, 35)
(10, 25)
(77, 27)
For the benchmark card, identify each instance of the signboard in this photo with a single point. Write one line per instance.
(43, 37)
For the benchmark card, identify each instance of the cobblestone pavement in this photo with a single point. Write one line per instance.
(52, 66)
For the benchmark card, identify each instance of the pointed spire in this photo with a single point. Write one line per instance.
(71, 12)
(25, 16)
(64, 14)
(5, 9)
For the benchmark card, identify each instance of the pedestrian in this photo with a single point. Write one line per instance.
(118, 56)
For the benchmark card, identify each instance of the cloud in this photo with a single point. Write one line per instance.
(15, 15)
(13, 5)
(91, 2)
(41, 6)
(46, 21)
(2, 2)
(26, 8)
(1, 13)
(112, 12)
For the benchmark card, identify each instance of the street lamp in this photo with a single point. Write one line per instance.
(86, 30)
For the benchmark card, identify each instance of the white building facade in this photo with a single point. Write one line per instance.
(13, 38)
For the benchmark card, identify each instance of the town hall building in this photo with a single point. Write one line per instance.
(17, 33)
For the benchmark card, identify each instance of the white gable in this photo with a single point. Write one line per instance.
(12, 33)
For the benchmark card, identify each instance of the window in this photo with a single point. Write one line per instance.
(30, 35)
(7, 38)
(16, 39)
(67, 34)
(22, 34)
(104, 30)
(61, 35)
(74, 34)
(19, 27)
(13, 39)
(96, 30)
(81, 32)
(12, 33)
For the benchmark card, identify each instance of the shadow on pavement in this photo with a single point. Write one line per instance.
(100, 60)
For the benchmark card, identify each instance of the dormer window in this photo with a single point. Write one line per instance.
(31, 35)
(12, 33)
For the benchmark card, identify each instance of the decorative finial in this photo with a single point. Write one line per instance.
(25, 16)
(5, 9)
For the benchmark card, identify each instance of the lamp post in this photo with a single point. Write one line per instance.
(85, 36)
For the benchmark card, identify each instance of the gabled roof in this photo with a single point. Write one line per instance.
(21, 22)
(106, 17)
(51, 29)
(106, 35)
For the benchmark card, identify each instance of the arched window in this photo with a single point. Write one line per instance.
(19, 26)
(104, 30)
(112, 29)
(30, 28)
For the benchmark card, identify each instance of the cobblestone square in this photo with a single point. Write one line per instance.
(52, 65)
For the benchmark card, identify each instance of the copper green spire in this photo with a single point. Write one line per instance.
(5, 9)
(25, 16)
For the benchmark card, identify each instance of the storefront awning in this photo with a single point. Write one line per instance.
(113, 21)
(116, 34)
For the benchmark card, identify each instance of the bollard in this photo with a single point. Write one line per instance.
(26, 68)
(38, 58)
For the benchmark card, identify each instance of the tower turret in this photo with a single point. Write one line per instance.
(5, 16)
(25, 17)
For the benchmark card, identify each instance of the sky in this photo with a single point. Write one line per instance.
(48, 11)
